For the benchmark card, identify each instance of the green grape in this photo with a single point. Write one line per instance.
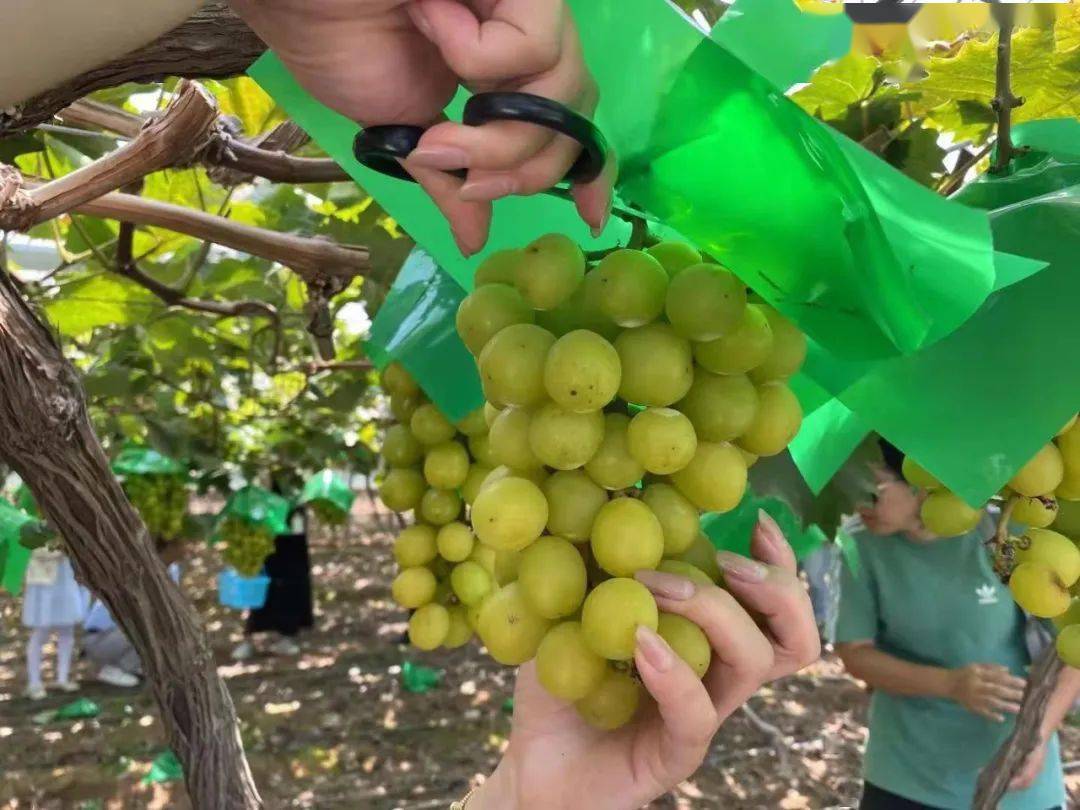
(552, 577)
(491, 413)
(662, 440)
(687, 640)
(460, 632)
(509, 514)
(613, 703)
(328, 514)
(678, 517)
(440, 506)
(590, 298)
(402, 489)
(246, 546)
(715, 479)
(1056, 551)
(917, 476)
(446, 465)
(502, 565)
(474, 424)
(480, 450)
(474, 482)
(550, 269)
(565, 666)
(396, 380)
(429, 626)
(1068, 646)
(657, 365)
(498, 268)
(674, 257)
(444, 594)
(430, 427)
(573, 500)
(563, 439)
(705, 302)
(402, 408)
(413, 587)
(702, 555)
(512, 365)
(720, 408)
(685, 569)
(788, 350)
(471, 582)
(487, 311)
(634, 285)
(1037, 590)
(161, 501)
(509, 439)
(454, 542)
(415, 546)
(472, 615)
(946, 515)
(1041, 475)
(612, 466)
(611, 615)
(538, 475)
(509, 628)
(582, 372)
(1069, 617)
(626, 537)
(1035, 512)
(1068, 425)
(777, 420)
(744, 348)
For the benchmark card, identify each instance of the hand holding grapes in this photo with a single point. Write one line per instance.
(556, 760)
(989, 690)
(400, 62)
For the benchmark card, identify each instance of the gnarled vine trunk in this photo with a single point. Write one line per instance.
(46, 437)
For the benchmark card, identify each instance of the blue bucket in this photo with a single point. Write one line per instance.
(242, 593)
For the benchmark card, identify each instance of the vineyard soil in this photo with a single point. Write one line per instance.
(335, 728)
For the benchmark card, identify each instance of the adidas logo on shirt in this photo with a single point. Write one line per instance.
(987, 595)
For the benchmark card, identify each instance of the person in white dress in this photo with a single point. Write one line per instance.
(53, 604)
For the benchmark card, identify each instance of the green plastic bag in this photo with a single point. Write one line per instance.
(81, 709)
(14, 556)
(24, 499)
(732, 530)
(257, 507)
(419, 679)
(134, 460)
(331, 488)
(165, 768)
(415, 326)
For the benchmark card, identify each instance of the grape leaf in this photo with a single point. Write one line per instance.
(838, 85)
(1067, 28)
(100, 300)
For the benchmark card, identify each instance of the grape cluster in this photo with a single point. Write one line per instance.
(328, 514)
(246, 546)
(162, 502)
(622, 401)
(1041, 564)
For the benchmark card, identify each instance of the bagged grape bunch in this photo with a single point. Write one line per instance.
(247, 526)
(162, 501)
(328, 497)
(623, 400)
(1035, 549)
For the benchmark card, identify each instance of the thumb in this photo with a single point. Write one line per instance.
(520, 38)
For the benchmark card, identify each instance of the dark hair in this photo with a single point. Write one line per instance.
(892, 457)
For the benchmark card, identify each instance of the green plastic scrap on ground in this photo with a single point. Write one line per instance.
(419, 679)
(81, 709)
(165, 768)
(331, 488)
(257, 507)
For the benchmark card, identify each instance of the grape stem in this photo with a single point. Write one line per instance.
(1004, 102)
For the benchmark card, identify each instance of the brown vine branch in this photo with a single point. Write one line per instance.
(1004, 102)
(995, 777)
(174, 137)
(212, 44)
(318, 366)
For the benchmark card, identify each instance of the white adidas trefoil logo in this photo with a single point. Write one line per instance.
(987, 594)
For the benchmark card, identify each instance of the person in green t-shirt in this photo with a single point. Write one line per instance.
(928, 626)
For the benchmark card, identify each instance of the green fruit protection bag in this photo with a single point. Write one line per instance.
(146, 461)
(732, 530)
(14, 556)
(891, 283)
(257, 507)
(330, 488)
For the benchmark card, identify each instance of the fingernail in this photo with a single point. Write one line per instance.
(668, 586)
(443, 158)
(742, 568)
(493, 188)
(465, 249)
(599, 229)
(655, 649)
(770, 531)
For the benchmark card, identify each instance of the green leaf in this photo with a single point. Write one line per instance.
(243, 98)
(838, 85)
(12, 147)
(99, 231)
(109, 381)
(175, 339)
(917, 154)
(101, 300)
(1067, 28)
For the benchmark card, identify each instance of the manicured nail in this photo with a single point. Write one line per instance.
(493, 188)
(599, 229)
(655, 649)
(742, 568)
(443, 158)
(770, 531)
(668, 586)
(466, 251)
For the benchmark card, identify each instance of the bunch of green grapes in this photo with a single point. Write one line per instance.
(1041, 562)
(246, 546)
(328, 514)
(622, 401)
(162, 502)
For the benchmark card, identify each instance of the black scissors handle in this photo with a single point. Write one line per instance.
(381, 147)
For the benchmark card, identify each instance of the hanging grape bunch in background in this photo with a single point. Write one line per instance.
(246, 545)
(623, 400)
(162, 502)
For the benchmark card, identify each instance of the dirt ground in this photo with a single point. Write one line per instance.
(335, 728)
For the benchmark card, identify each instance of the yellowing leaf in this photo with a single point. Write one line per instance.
(838, 85)
(243, 98)
(1067, 28)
